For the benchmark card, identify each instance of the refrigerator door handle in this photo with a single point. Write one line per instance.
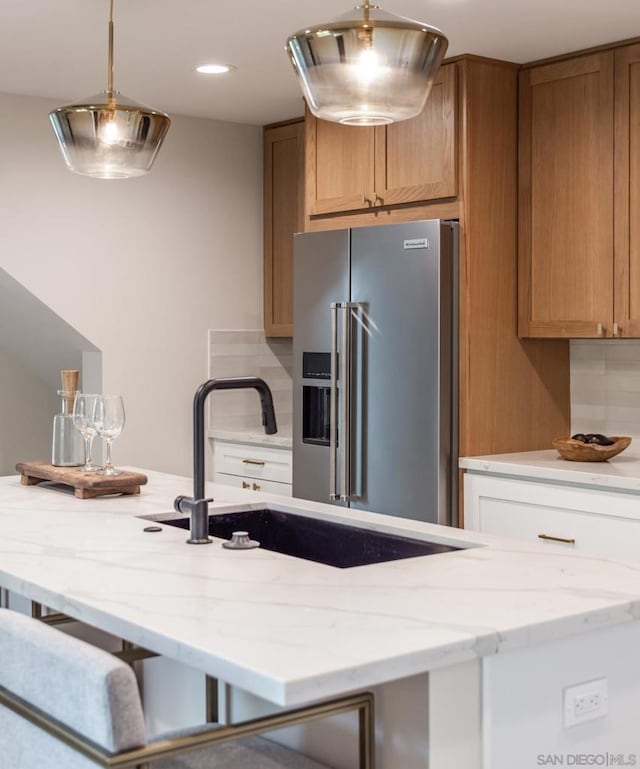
(333, 405)
(341, 416)
(344, 379)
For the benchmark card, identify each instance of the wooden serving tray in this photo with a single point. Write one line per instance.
(85, 485)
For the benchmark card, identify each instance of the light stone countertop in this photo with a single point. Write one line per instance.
(622, 473)
(282, 438)
(287, 629)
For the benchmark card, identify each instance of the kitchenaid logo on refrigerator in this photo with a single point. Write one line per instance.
(416, 243)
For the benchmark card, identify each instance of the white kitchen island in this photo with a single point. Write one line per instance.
(468, 652)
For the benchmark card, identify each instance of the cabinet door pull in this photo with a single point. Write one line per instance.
(565, 540)
(258, 462)
(617, 331)
(379, 200)
(600, 329)
(256, 487)
(246, 485)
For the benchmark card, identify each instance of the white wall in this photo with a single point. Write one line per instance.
(27, 408)
(141, 267)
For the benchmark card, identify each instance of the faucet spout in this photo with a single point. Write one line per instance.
(197, 506)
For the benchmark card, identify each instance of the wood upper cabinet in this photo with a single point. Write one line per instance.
(354, 168)
(566, 277)
(339, 161)
(283, 215)
(416, 159)
(580, 196)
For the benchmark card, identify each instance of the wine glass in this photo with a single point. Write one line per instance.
(108, 418)
(83, 410)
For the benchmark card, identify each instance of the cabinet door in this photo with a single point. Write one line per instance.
(627, 191)
(416, 159)
(566, 198)
(283, 215)
(339, 161)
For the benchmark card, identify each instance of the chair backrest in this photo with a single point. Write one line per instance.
(85, 688)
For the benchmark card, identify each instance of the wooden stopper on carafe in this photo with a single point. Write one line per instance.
(69, 386)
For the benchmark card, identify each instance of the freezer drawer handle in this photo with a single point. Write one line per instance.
(549, 538)
(258, 462)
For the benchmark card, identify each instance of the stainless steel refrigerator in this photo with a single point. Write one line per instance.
(375, 369)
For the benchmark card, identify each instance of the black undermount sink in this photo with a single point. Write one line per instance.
(333, 544)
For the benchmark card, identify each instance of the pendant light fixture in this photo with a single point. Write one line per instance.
(109, 136)
(367, 67)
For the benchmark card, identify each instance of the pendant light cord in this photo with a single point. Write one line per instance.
(110, 70)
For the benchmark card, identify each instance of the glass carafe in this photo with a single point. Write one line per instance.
(67, 447)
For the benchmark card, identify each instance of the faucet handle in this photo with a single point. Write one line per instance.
(184, 504)
(181, 503)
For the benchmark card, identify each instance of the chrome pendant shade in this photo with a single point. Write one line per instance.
(109, 136)
(367, 67)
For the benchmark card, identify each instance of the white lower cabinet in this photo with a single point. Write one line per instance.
(254, 484)
(258, 468)
(562, 516)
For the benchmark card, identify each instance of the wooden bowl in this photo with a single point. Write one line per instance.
(577, 451)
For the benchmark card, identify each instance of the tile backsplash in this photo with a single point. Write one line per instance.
(605, 382)
(605, 387)
(249, 353)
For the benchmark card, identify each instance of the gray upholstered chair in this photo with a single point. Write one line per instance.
(66, 705)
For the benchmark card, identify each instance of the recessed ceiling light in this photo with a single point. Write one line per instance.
(215, 69)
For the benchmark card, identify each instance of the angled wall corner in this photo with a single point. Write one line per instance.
(35, 344)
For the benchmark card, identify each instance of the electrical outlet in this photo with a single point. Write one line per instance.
(585, 702)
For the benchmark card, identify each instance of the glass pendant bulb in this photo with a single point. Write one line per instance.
(109, 136)
(367, 67)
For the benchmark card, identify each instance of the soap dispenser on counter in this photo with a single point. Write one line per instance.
(68, 448)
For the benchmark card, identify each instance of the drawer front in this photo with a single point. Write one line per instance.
(247, 461)
(253, 484)
(586, 520)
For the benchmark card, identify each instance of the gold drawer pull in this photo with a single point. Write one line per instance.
(256, 487)
(258, 462)
(566, 540)
(246, 485)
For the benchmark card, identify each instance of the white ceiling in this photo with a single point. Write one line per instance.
(57, 48)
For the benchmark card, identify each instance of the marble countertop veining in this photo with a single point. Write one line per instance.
(621, 473)
(291, 630)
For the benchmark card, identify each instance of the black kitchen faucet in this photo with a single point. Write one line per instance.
(197, 506)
